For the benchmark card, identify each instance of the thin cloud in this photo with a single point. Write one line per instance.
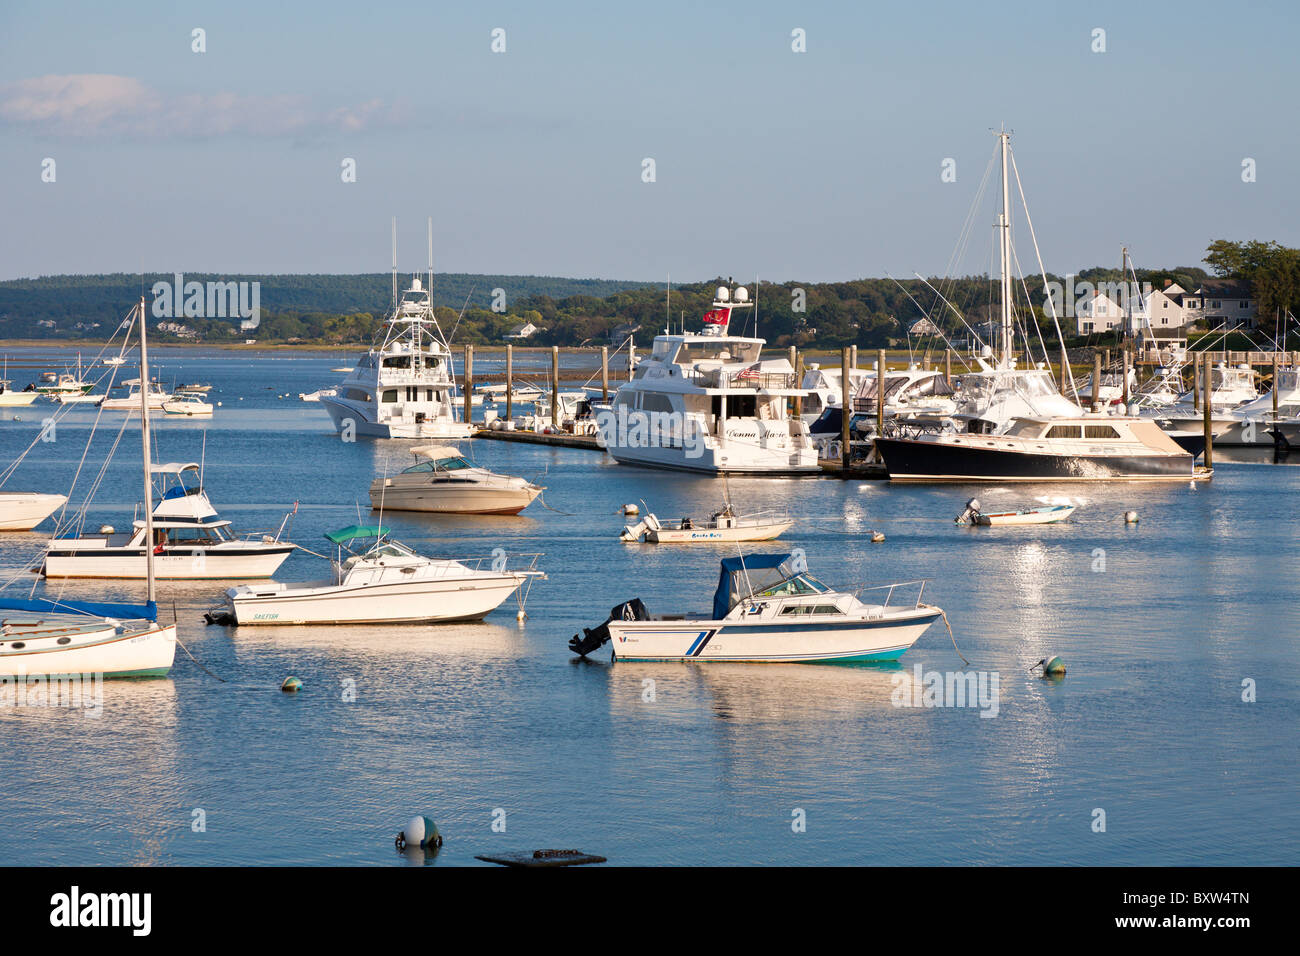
(103, 105)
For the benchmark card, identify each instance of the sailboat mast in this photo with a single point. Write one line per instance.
(148, 457)
(394, 265)
(1004, 248)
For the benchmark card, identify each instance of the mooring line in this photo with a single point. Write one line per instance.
(197, 661)
(944, 615)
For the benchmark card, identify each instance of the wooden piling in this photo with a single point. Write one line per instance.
(468, 386)
(604, 373)
(1127, 360)
(1207, 388)
(846, 405)
(1096, 381)
(799, 372)
(555, 386)
(947, 367)
(1196, 381)
(510, 374)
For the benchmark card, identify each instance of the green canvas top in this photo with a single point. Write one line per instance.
(344, 535)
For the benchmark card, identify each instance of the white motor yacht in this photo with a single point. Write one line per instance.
(380, 581)
(705, 401)
(403, 388)
(24, 510)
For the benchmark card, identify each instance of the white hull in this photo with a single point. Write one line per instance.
(196, 564)
(17, 399)
(101, 651)
(342, 413)
(465, 500)
(454, 599)
(704, 640)
(23, 510)
(732, 459)
(1035, 516)
(766, 532)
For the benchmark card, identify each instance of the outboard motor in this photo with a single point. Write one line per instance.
(594, 638)
(972, 509)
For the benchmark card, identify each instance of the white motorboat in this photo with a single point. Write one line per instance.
(768, 608)
(317, 395)
(1253, 422)
(381, 581)
(157, 398)
(825, 390)
(1048, 514)
(705, 401)
(65, 384)
(188, 405)
(520, 394)
(24, 510)
(64, 638)
(723, 526)
(11, 399)
(189, 542)
(443, 481)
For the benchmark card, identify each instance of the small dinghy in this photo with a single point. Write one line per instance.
(1048, 514)
(721, 526)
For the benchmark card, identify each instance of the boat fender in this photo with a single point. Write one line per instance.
(419, 831)
(291, 685)
(1130, 517)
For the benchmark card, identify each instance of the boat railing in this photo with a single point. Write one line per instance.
(499, 562)
(889, 590)
(741, 378)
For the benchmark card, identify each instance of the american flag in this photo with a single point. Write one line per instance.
(749, 373)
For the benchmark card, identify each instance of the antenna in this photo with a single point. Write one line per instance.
(394, 265)
(430, 263)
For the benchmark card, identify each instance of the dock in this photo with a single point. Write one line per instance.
(560, 440)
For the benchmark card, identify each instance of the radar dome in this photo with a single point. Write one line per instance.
(723, 294)
(742, 294)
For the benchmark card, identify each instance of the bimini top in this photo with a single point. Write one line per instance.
(436, 452)
(749, 574)
(344, 535)
(173, 468)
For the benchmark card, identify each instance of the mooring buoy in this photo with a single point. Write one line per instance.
(1052, 666)
(419, 831)
(877, 537)
(291, 685)
(1130, 517)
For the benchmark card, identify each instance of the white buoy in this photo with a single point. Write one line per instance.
(631, 510)
(419, 831)
(1130, 517)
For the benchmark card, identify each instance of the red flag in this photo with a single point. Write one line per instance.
(717, 317)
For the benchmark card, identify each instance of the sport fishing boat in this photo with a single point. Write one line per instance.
(157, 398)
(825, 391)
(11, 399)
(768, 608)
(723, 526)
(706, 402)
(65, 638)
(442, 481)
(405, 387)
(381, 581)
(189, 541)
(1250, 423)
(24, 510)
(188, 405)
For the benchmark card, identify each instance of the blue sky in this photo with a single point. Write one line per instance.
(818, 166)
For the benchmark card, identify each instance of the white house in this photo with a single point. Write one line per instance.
(524, 331)
(1101, 313)
(1165, 307)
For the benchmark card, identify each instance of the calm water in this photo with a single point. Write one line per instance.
(457, 721)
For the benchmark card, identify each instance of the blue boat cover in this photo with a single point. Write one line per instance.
(133, 612)
(742, 565)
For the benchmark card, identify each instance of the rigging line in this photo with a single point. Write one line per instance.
(1055, 320)
(968, 225)
(1028, 346)
(956, 312)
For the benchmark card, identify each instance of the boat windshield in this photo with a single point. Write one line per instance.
(799, 584)
(441, 464)
(714, 350)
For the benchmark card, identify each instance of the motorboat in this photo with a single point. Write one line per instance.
(11, 399)
(706, 402)
(381, 581)
(769, 608)
(157, 398)
(443, 481)
(1252, 422)
(194, 388)
(1048, 514)
(24, 510)
(63, 638)
(404, 387)
(825, 391)
(723, 526)
(317, 395)
(1087, 448)
(183, 539)
(189, 405)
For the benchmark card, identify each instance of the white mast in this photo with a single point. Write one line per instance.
(1004, 248)
(394, 265)
(148, 457)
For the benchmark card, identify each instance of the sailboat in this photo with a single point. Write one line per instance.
(1017, 427)
(59, 638)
